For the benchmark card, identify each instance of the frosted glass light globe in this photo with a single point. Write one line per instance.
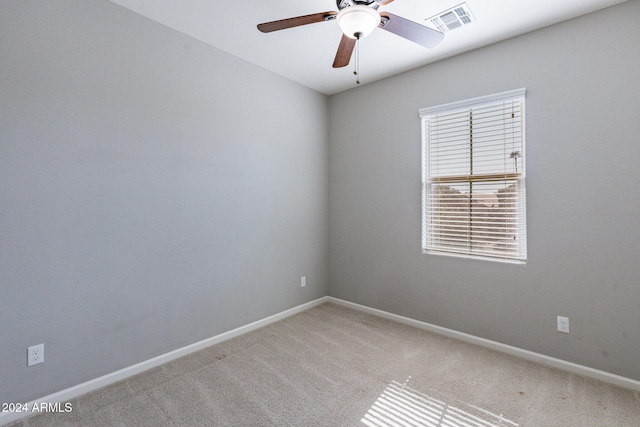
(358, 21)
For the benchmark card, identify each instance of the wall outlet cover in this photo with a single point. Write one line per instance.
(563, 324)
(35, 354)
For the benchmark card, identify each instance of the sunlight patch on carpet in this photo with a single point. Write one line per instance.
(401, 406)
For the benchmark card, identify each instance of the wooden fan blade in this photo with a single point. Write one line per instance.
(282, 24)
(417, 33)
(345, 50)
(386, 2)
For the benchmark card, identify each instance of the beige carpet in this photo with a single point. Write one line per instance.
(333, 366)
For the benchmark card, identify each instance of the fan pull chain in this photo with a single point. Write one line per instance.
(356, 72)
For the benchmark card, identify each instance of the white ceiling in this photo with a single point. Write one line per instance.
(305, 54)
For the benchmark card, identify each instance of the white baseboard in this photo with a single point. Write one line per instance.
(112, 378)
(504, 348)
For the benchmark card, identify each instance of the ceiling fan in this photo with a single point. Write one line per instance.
(357, 19)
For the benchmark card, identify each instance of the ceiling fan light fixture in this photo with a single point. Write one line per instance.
(358, 21)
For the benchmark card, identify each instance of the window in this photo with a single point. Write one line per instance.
(473, 178)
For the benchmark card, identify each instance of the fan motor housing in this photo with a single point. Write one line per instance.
(341, 4)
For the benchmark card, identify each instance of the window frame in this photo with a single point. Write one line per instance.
(428, 181)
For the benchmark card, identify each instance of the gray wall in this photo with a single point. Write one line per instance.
(583, 146)
(154, 191)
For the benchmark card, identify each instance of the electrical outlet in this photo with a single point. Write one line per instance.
(303, 281)
(563, 324)
(35, 354)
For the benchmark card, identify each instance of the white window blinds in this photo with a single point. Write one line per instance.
(473, 178)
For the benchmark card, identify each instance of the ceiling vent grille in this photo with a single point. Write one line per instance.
(451, 19)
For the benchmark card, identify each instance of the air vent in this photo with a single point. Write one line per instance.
(452, 19)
